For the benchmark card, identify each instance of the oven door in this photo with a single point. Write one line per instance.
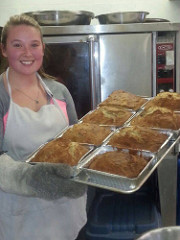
(73, 60)
(126, 63)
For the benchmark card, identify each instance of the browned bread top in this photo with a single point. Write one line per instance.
(87, 133)
(60, 151)
(124, 99)
(108, 115)
(157, 117)
(170, 100)
(120, 163)
(135, 137)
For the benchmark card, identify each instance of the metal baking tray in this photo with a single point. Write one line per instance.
(112, 129)
(118, 183)
(109, 181)
(109, 125)
(143, 106)
(75, 170)
(163, 147)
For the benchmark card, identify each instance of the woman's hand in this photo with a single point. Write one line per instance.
(43, 180)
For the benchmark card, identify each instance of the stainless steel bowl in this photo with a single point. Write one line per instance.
(122, 17)
(61, 18)
(166, 233)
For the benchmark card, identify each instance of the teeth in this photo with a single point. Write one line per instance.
(26, 62)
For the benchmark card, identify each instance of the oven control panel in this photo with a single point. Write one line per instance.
(165, 72)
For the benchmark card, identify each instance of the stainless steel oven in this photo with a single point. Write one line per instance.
(70, 59)
(93, 61)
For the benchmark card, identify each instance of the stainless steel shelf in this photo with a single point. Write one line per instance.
(109, 28)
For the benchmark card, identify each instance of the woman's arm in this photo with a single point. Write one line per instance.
(4, 106)
(43, 180)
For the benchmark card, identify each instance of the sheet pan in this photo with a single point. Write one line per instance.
(118, 183)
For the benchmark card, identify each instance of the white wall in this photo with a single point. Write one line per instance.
(157, 8)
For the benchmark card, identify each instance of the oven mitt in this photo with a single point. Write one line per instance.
(43, 180)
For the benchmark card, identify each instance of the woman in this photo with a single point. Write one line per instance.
(36, 202)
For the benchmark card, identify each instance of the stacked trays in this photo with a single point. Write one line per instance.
(121, 216)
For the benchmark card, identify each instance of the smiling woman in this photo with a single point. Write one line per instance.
(24, 50)
(33, 110)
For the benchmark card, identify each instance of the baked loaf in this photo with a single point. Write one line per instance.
(108, 115)
(141, 138)
(120, 163)
(87, 133)
(165, 99)
(61, 151)
(157, 117)
(124, 99)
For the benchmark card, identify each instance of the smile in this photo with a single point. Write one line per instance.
(27, 62)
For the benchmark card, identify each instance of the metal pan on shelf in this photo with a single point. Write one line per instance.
(122, 17)
(61, 18)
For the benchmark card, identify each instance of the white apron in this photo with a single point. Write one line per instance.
(26, 218)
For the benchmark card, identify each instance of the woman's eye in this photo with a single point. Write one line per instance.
(34, 45)
(17, 45)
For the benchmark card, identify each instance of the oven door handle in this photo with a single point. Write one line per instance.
(92, 39)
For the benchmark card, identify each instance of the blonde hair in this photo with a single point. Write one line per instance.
(17, 20)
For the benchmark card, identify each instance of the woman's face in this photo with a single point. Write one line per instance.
(24, 49)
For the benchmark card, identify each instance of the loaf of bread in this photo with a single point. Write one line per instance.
(157, 117)
(120, 163)
(124, 99)
(141, 138)
(169, 100)
(87, 133)
(108, 115)
(61, 151)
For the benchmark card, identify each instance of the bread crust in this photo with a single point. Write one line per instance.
(61, 151)
(108, 115)
(120, 163)
(87, 133)
(165, 99)
(157, 117)
(141, 138)
(124, 99)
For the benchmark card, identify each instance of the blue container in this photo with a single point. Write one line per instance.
(119, 216)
